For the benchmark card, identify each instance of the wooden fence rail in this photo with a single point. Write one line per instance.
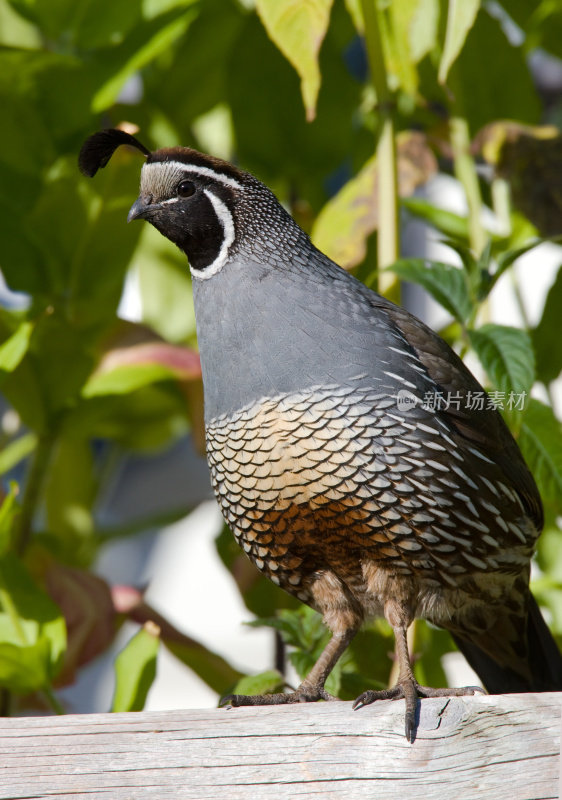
(498, 748)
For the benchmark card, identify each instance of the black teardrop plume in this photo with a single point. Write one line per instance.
(99, 147)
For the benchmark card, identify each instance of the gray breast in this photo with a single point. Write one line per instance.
(265, 332)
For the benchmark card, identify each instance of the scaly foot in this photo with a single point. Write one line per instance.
(304, 694)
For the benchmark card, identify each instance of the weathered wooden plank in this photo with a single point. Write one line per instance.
(467, 748)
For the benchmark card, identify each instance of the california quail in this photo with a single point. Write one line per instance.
(337, 477)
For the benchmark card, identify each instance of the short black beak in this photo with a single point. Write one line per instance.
(138, 209)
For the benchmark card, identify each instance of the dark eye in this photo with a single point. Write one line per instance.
(186, 189)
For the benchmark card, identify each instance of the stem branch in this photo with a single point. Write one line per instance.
(387, 184)
(34, 484)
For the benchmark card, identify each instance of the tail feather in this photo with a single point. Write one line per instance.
(538, 668)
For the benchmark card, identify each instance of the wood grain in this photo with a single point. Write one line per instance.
(467, 748)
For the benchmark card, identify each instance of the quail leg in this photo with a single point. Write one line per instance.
(311, 689)
(407, 687)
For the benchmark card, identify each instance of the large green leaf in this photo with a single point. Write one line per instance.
(546, 336)
(507, 356)
(540, 440)
(31, 622)
(205, 50)
(135, 670)
(505, 90)
(263, 683)
(157, 40)
(447, 222)
(16, 450)
(298, 28)
(315, 156)
(461, 15)
(165, 286)
(24, 668)
(344, 224)
(70, 488)
(8, 512)
(126, 379)
(14, 349)
(445, 283)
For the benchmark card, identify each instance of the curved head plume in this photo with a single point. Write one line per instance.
(98, 149)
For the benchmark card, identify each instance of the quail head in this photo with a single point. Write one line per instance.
(357, 503)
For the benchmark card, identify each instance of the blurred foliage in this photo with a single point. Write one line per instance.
(452, 80)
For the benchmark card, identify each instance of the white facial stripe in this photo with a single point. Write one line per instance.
(177, 167)
(225, 218)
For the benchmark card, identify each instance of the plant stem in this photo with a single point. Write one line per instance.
(53, 701)
(501, 203)
(466, 174)
(32, 493)
(388, 238)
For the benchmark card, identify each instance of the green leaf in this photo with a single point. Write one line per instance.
(445, 283)
(165, 285)
(507, 356)
(298, 28)
(16, 451)
(504, 90)
(452, 225)
(24, 668)
(14, 349)
(164, 37)
(546, 336)
(125, 379)
(423, 28)
(343, 226)
(135, 670)
(8, 512)
(540, 440)
(30, 620)
(70, 489)
(395, 26)
(263, 683)
(460, 19)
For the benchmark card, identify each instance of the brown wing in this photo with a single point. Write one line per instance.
(483, 428)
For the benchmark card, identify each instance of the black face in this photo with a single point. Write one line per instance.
(187, 218)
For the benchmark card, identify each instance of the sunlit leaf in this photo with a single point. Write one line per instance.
(14, 349)
(24, 668)
(540, 440)
(161, 41)
(125, 379)
(70, 488)
(342, 227)
(445, 283)
(209, 666)
(460, 19)
(263, 683)
(8, 512)
(30, 619)
(507, 356)
(135, 670)
(447, 222)
(298, 28)
(16, 450)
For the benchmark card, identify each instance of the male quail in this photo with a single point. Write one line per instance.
(353, 501)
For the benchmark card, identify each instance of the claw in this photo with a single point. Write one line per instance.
(410, 691)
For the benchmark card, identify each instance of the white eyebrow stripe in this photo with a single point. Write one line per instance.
(225, 218)
(207, 171)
